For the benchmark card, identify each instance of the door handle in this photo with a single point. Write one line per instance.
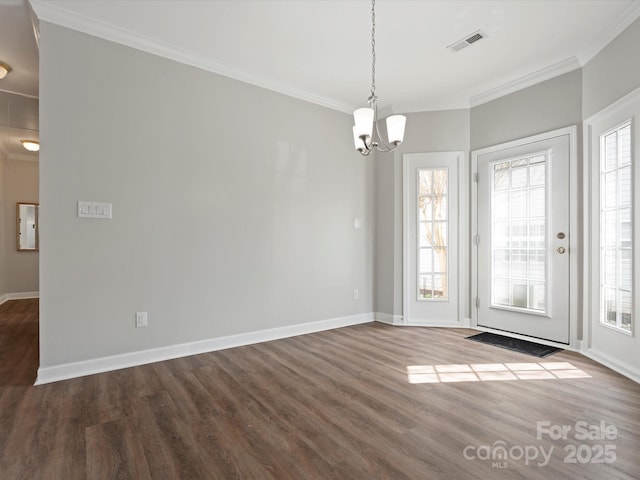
(561, 250)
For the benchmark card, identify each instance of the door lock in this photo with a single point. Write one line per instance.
(561, 250)
(561, 235)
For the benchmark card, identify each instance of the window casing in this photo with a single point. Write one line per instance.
(616, 228)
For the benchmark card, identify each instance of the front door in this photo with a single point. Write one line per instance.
(523, 237)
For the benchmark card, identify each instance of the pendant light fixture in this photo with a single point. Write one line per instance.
(366, 135)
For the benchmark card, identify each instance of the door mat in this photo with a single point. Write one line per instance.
(515, 344)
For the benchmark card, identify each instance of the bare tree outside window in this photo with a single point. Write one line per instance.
(432, 246)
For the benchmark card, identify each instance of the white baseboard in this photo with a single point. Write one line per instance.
(399, 321)
(389, 319)
(116, 362)
(434, 323)
(18, 296)
(614, 364)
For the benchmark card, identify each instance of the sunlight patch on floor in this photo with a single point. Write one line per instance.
(486, 372)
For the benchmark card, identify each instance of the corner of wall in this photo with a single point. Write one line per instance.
(3, 240)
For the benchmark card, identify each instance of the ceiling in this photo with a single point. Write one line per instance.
(320, 50)
(19, 89)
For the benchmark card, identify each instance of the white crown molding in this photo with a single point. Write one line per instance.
(529, 80)
(23, 157)
(34, 25)
(630, 15)
(431, 106)
(57, 14)
(53, 13)
(116, 362)
(26, 95)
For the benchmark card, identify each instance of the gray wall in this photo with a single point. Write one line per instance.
(613, 72)
(549, 105)
(439, 131)
(233, 206)
(20, 268)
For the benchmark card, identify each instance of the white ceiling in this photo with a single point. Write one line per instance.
(319, 50)
(19, 89)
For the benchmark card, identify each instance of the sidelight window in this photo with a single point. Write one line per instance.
(616, 238)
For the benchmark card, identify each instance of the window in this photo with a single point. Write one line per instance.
(432, 234)
(518, 236)
(616, 238)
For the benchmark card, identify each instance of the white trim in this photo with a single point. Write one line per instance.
(575, 283)
(56, 14)
(116, 362)
(432, 105)
(21, 94)
(542, 75)
(18, 296)
(590, 177)
(541, 341)
(574, 287)
(389, 319)
(621, 103)
(24, 157)
(615, 365)
(434, 323)
(52, 13)
(34, 25)
(609, 33)
(462, 240)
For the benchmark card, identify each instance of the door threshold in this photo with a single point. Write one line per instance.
(541, 341)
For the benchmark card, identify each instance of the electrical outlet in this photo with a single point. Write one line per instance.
(141, 319)
(356, 294)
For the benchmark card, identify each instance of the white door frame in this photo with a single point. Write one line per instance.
(625, 107)
(574, 233)
(463, 243)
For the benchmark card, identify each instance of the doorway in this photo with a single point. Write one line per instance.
(522, 242)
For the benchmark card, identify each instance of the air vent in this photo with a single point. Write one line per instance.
(465, 42)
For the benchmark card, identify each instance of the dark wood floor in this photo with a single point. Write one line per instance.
(335, 404)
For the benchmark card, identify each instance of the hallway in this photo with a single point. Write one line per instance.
(19, 351)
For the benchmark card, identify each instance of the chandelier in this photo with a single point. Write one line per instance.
(366, 135)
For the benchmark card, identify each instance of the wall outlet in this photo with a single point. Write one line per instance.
(356, 294)
(141, 319)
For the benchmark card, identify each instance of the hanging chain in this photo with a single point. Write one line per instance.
(373, 48)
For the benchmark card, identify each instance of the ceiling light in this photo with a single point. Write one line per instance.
(5, 68)
(365, 136)
(31, 145)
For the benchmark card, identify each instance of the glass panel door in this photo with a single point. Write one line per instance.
(518, 234)
(523, 238)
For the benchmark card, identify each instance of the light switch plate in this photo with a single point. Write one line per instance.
(94, 209)
(141, 319)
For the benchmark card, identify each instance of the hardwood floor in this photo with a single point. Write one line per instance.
(335, 404)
